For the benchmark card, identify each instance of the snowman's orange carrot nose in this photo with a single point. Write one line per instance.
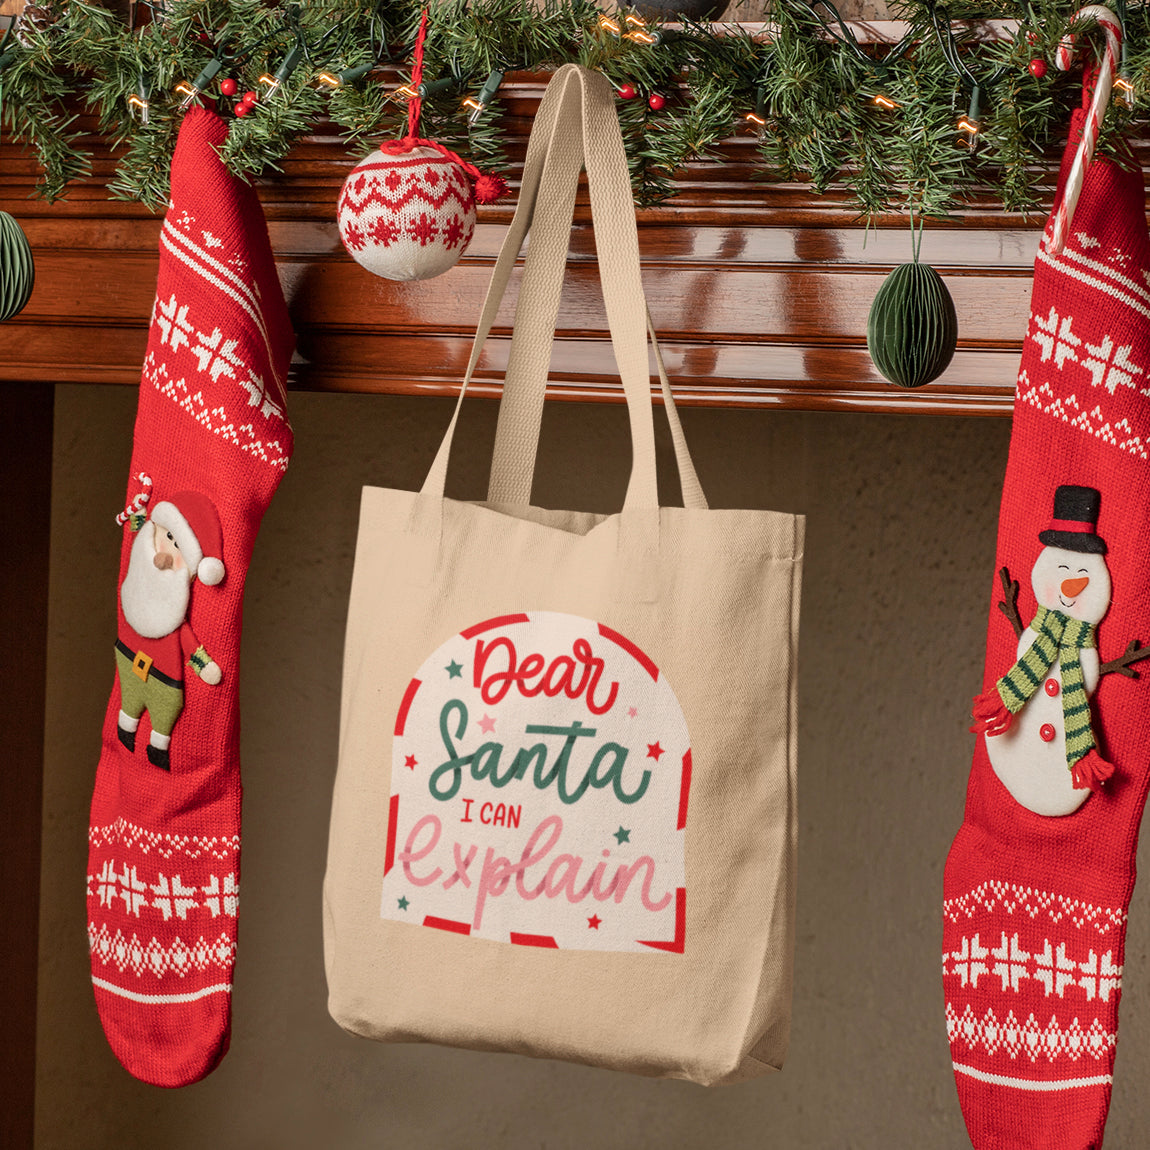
(1073, 587)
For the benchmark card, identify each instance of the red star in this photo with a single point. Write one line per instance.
(654, 750)
(594, 921)
(410, 762)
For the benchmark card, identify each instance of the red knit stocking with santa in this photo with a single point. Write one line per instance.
(211, 444)
(1039, 878)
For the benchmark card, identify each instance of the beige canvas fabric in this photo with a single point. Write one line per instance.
(564, 815)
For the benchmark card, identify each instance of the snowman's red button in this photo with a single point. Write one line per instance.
(1046, 733)
(1052, 687)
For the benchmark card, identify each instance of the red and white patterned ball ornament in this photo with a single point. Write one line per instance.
(407, 215)
(407, 212)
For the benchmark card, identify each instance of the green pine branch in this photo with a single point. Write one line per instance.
(815, 92)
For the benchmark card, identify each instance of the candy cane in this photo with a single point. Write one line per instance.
(1067, 50)
(139, 503)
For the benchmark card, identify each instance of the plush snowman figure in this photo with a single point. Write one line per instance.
(1037, 720)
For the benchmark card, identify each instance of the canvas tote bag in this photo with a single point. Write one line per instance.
(564, 817)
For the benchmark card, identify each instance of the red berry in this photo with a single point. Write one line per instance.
(242, 109)
(251, 98)
(228, 87)
(656, 102)
(1037, 67)
(627, 92)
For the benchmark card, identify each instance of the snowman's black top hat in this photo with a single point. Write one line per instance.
(1075, 521)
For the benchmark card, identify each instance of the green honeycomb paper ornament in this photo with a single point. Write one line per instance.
(17, 271)
(912, 328)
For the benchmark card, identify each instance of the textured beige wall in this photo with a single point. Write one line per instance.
(900, 551)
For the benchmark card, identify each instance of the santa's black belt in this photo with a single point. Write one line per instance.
(142, 666)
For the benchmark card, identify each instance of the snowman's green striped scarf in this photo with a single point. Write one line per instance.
(1059, 637)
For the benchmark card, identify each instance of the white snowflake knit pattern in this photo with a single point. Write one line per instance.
(194, 351)
(1093, 378)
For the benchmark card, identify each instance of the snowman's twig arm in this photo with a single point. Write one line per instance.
(1134, 651)
(1009, 606)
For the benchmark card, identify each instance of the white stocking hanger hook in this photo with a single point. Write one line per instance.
(1108, 70)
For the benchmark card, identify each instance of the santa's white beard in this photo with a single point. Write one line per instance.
(155, 602)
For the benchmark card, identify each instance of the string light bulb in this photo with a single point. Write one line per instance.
(197, 86)
(139, 107)
(969, 123)
(343, 79)
(291, 62)
(485, 96)
(138, 100)
(884, 102)
(446, 84)
(1123, 82)
(759, 116)
(609, 25)
(636, 30)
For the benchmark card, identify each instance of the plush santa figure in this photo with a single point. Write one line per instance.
(181, 542)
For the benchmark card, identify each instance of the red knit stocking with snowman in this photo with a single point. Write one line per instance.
(1039, 878)
(211, 444)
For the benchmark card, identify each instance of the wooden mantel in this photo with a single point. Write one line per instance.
(760, 291)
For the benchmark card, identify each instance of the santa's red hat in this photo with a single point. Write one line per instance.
(195, 525)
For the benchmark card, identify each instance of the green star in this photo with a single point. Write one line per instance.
(403, 903)
(454, 670)
(623, 836)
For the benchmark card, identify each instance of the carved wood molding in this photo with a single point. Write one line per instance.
(760, 291)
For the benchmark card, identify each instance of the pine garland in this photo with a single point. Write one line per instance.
(809, 84)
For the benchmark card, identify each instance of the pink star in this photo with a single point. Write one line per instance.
(594, 921)
(487, 724)
(632, 712)
(410, 762)
(654, 750)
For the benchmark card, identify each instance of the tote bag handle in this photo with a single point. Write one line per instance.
(524, 388)
(576, 124)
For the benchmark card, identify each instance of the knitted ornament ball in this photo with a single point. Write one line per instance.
(407, 215)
